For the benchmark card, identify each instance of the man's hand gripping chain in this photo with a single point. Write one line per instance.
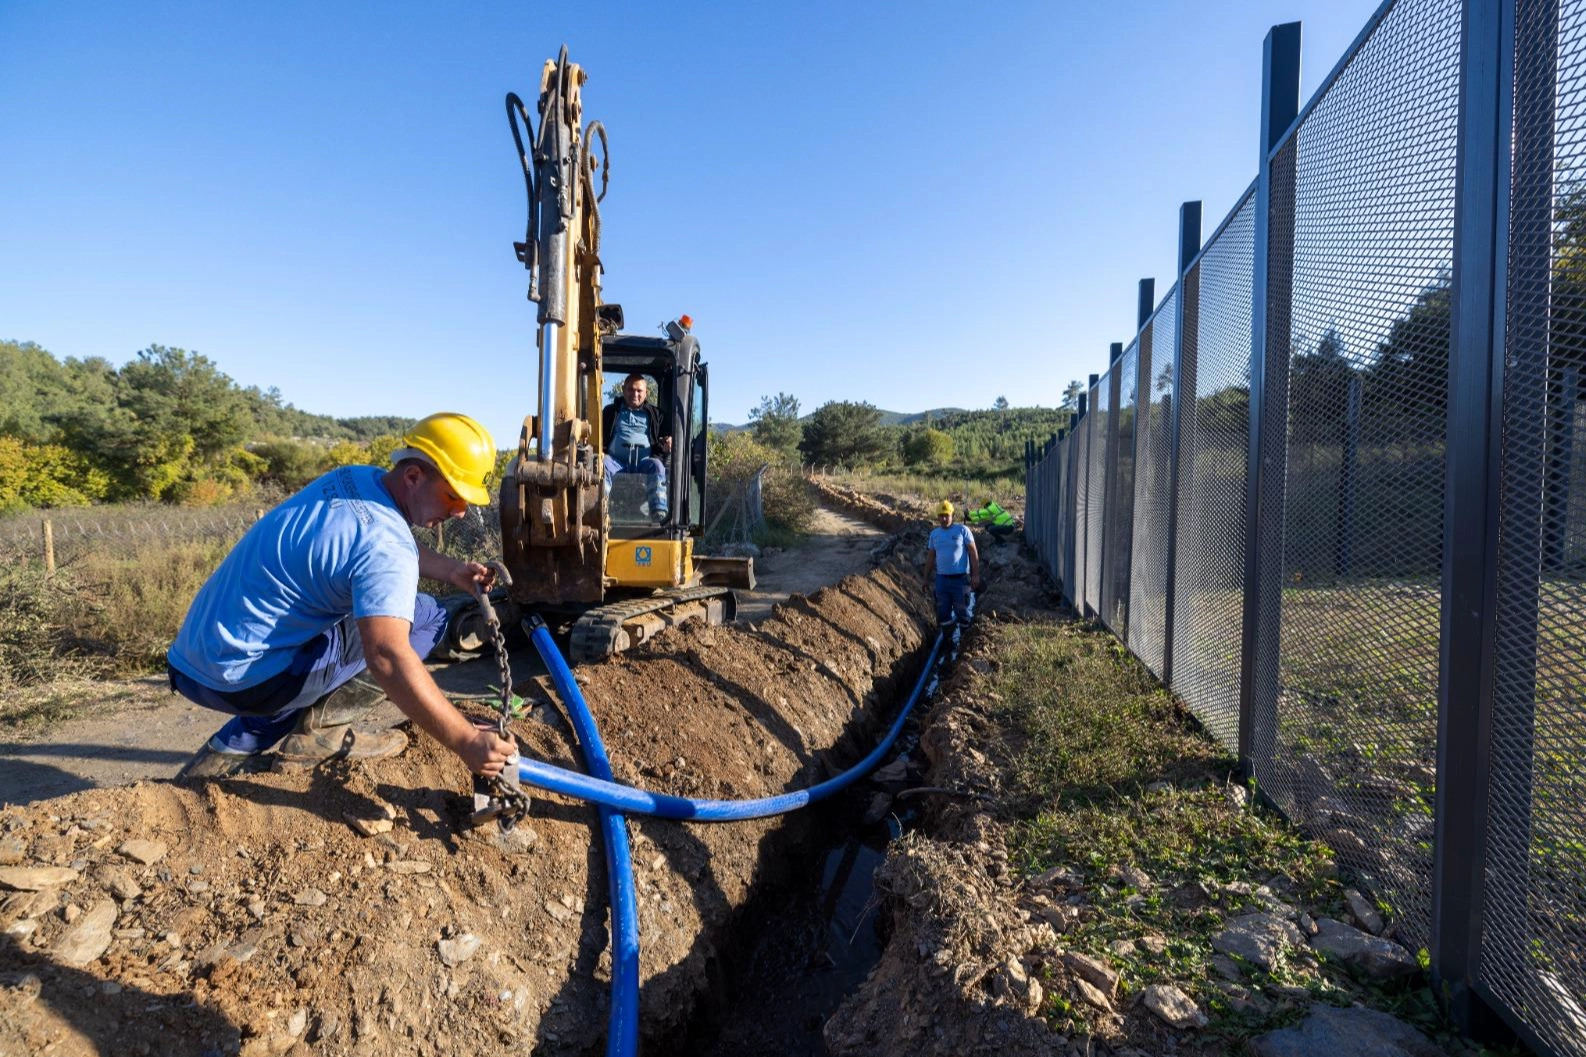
(502, 797)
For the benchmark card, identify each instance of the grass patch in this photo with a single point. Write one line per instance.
(1139, 815)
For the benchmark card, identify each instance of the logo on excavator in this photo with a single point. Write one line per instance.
(641, 555)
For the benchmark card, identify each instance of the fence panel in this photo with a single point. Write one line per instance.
(1096, 490)
(1120, 511)
(1152, 532)
(1213, 445)
(1533, 952)
(1354, 749)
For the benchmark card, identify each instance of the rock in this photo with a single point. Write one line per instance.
(1136, 878)
(1153, 944)
(368, 827)
(1227, 968)
(1370, 955)
(11, 852)
(35, 878)
(1034, 997)
(1122, 948)
(310, 897)
(296, 1023)
(1093, 971)
(1237, 797)
(118, 881)
(1357, 1031)
(1258, 938)
(896, 771)
(408, 866)
(557, 911)
(19, 929)
(89, 937)
(1308, 924)
(71, 912)
(877, 808)
(147, 852)
(32, 904)
(1173, 1006)
(1364, 912)
(458, 950)
(1091, 993)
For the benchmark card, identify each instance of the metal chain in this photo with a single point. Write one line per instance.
(502, 797)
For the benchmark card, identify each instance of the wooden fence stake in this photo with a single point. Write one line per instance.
(49, 549)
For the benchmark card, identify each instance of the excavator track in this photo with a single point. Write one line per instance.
(618, 626)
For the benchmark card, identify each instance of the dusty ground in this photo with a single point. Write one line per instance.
(838, 544)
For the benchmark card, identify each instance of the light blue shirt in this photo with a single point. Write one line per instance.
(632, 431)
(951, 545)
(338, 547)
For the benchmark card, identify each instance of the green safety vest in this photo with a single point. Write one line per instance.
(990, 514)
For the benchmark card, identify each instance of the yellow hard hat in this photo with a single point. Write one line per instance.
(459, 448)
(946, 508)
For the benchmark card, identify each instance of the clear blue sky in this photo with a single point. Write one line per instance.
(916, 204)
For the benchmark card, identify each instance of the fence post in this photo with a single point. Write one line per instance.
(1146, 304)
(49, 549)
(1186, 333)
(1468, 646)
(1269, 347)
(1109, 508)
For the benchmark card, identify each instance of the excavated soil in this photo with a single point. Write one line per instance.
(255, 915)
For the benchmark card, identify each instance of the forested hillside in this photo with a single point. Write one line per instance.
(167, 425)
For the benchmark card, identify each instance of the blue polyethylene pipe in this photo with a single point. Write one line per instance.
(622, 1033)
(600, 790)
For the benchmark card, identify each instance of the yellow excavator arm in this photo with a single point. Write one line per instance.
(553, 525)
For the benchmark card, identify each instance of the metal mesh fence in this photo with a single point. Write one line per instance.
(1096, 491)
(1153, 478)
(1120, 497)
(1371, 192)
(1354, 462)
(1214, 438)
(1533, 953)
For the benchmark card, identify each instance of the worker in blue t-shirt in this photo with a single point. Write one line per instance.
(325, 588)
(953, 564)
(638, 439)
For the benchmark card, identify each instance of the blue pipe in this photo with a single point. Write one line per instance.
(609, 795)
(622, 1034)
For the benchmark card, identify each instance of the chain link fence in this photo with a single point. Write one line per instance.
(1327, 493)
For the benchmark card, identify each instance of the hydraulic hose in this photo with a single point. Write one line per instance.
(609, 795)
(622, 1034)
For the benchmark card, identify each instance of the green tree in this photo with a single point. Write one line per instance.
(1000, 404)
(776, 423)
(1071, 394)
(928, 447)
(842, 431)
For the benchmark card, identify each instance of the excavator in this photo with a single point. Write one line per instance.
(621, 565)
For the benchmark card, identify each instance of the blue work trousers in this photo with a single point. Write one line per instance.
(954, 603)
(641, 462)
(266, 713)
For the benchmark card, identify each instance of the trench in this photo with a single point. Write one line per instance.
(809, 936)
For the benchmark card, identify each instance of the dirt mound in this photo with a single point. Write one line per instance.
(256, 916)
(892, 513)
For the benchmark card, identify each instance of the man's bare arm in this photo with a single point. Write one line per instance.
(402, 675)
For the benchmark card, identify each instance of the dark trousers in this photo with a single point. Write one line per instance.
(266, 713)
(952, 598)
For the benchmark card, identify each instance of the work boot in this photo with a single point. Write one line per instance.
(324, 730)
(214, 760)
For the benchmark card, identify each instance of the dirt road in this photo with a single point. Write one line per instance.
(140, 730)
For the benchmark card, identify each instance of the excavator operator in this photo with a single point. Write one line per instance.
(322, 591)
(637, 436)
